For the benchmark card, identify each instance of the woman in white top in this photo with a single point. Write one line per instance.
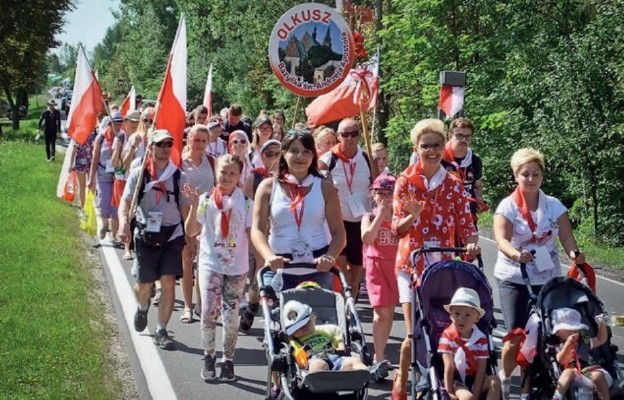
(238, 144)
(199, 169)
(216, 146)
(298, 205)
(526, 227)
(263, 133)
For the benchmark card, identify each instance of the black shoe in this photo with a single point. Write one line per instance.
(378, 371)
(209, 372)
(247, 318)
(140, 320)
(227, 371)
(162, 340)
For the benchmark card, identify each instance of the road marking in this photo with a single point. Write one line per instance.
(569, 266)
(153, 368)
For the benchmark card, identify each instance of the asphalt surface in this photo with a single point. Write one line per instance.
(183, 366)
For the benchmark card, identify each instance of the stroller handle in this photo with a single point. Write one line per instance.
(527, 281)
(312, 267)
(425, 250)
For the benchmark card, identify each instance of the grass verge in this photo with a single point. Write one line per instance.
(54, 342)
(30, 124)
(595, 252)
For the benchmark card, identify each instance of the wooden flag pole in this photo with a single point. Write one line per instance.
(367, 141)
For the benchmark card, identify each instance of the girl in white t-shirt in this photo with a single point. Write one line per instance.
(224, 218)
(526, 227)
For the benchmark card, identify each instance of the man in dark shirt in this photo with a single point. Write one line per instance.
(234, 123)
(50, 121)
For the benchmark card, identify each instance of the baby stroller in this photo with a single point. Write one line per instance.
(544, 371)
(329, 307)
(437, 285)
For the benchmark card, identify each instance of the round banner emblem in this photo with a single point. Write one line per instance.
(311, 49)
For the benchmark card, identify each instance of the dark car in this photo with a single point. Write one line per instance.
(66, 100)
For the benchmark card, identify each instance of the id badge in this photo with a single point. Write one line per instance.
(543, 261)
(356, 205)
(301, 251)
(154, 221)
(109, 167)
(433, 257)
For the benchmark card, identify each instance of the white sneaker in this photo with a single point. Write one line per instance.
(505, 384)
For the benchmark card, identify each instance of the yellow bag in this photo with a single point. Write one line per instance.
(89, 219)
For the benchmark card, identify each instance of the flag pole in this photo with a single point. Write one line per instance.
(367, 141)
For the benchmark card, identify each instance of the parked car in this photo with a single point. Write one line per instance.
(66, 100)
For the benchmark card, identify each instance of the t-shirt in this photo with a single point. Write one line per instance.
(224, 255)
(385, 245)
(546, 217)
(318, 340)
(166, 204)
(241, 126)
(476, 344)
(201, 177)
(218, 148)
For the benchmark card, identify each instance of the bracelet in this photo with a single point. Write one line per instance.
(330, 258)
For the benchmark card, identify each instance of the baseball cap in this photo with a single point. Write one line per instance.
(466, 297)
(296, 316)
(263, 119)
(133, 116)
(160, 135)
(213, 124)
(384, 182)
(116, 117)
(268, 143)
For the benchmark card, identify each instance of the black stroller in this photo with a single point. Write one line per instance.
(544, 371)
(330, 307)
(438, 283)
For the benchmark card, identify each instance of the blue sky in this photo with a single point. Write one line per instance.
(88, 22)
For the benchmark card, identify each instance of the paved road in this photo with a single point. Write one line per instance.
(182, 367)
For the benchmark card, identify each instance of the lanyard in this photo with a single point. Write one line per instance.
(299, 216)
(350, 178)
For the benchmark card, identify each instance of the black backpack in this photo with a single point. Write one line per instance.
(334, 159)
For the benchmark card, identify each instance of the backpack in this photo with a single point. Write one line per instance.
(334, 159)
(176, 187)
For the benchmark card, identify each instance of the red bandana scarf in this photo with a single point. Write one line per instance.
(153, 172)
(217, 195)
(518, 198)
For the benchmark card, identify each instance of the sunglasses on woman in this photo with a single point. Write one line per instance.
(166, 144)
(242, 141)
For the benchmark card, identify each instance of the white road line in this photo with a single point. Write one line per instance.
(567, 266)
(157, 379)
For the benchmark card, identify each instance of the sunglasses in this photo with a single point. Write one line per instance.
(148, 120)
(352, 134)
(166, 144)
(433, 146)
(242, 141)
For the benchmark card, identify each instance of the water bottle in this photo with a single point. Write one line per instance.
(278, 281)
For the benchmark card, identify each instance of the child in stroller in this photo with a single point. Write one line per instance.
(464, 350)
(567, 326)
(322, 347)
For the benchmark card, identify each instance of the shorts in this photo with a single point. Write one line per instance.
(154, 262)
(353, 249)
(103, 201)
(514, 301)
(336, 362)
(406, 291)
(381, 282)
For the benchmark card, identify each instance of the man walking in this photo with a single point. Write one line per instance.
(51, 122)
(159, 236)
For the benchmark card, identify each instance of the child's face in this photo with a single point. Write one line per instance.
(228, 176)
(464, 318)
(564, 334)
(307, 329)
(382, 158)
(383, 196)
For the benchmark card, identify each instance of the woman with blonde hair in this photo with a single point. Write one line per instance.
(324, 138)
(138, 140)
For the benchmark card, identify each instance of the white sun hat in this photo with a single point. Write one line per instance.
(567, 318)
(296, 316)
(466, 297)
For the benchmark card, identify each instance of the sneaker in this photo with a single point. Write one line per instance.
(140, 320)
(378, 371)
(227, 371)
(162, 340)
(208, 372)
(52, 158)
(275, 392)
(505, 384)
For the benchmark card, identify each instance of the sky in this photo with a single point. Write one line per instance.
(88, 22)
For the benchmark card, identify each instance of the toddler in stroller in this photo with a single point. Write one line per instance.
(464, 350)
(567, 326)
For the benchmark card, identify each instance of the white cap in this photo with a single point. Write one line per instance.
(567, 318)
(297, 315)
(466, 297)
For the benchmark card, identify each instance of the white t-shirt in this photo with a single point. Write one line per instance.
(360, 186)
(218, 148)
(229, 255)
(546, 217)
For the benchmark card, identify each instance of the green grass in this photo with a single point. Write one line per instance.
(29, 125)
(595, 252)
(53, 342)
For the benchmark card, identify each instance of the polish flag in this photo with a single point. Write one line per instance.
(171, 105)
(129, 103)
(451, 100)
(208, 93)
(359, 89)
(87, 101)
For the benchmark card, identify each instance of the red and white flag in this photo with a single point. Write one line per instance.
(171, 106)
(87, 101)
(129, 103)
(451, 100)
(359, 88)
(208, 93)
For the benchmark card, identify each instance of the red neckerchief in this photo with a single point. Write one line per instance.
(339, 152)
(109, 136)
(262, 171)
(416, 176)
(471, 359)
(153, 172)
(518, 197)
(449, 156)
(296, 193)
(217, 195)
